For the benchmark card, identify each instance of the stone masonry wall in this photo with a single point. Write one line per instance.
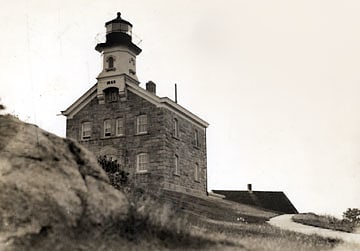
(188, 155)
(159, 143)
(126, 147)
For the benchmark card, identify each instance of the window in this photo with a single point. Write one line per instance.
(142, 162)
(176, 164)
(176, 128)
(196, 172)
(111, 94)
(120, 129)
(196, 139)
(110, 62)
(141, 124)
(86, 130)
(107, 127)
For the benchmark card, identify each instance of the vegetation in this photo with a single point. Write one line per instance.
(117, 176)
(325, 221)
(352, 215)
(154, 225)
(264, 237)
(154, 221)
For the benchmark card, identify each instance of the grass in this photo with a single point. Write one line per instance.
(187, 224)
(324, 221)
(216, 209)
(265, 237)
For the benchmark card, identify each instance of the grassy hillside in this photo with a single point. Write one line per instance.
(187, 224)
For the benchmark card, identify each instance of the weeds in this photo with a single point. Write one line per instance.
(325, 221)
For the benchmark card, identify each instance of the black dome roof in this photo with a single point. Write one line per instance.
(118, 19)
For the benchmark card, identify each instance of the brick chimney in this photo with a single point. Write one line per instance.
(249, 187)
(151, 87)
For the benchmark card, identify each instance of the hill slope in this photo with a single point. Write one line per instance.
(54, 196)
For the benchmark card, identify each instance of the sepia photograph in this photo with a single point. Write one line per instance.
(180, 125)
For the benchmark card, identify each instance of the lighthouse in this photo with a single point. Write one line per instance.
(158, 142)
(119, 60)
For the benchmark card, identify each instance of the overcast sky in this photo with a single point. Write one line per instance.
(278, 81)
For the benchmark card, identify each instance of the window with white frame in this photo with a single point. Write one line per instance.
(107, 127)
(176, 128)
(86, 130)
(141, 124)
(142, 162)
(196, 172)
(120, 126)
(196, 138)
(176, 165)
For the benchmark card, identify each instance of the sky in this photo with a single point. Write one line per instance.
(278, 81)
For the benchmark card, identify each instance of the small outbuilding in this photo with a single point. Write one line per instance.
(270, 200)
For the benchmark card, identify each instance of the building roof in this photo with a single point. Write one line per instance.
(162, 102)
(118, 19)
(275, 201)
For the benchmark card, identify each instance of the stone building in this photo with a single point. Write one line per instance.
(155, 139)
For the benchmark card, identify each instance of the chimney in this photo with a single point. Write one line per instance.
(151, 87)
(249, 186)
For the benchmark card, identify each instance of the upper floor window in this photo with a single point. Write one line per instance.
(107, 127)
(120, 128)
(196, 138)
(142, 162)
(86, 130)
(141, 124)
(110, 62)
(176, 164)
(111, 94)
(176, 128)
(196, 172)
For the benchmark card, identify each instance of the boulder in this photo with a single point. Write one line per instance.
(47, 182)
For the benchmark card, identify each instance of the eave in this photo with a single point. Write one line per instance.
(167, 104)
(163, 102)
(80, 102)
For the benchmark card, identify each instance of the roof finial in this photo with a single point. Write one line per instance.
(118, 15)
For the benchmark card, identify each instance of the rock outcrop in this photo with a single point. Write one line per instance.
(47, 182)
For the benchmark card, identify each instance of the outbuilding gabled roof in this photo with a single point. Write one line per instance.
(274, 201)
(163, 102)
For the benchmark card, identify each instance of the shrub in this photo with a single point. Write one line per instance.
(352, 215)
(117, 176)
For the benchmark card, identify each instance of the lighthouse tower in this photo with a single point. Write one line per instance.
(119, 59)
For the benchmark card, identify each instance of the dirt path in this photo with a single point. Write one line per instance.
(285, 222)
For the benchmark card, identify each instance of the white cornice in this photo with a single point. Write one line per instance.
(168, 104)
(163, 102)
(80, 102)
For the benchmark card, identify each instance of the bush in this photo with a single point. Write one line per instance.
(117, 176)
(352, 215)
